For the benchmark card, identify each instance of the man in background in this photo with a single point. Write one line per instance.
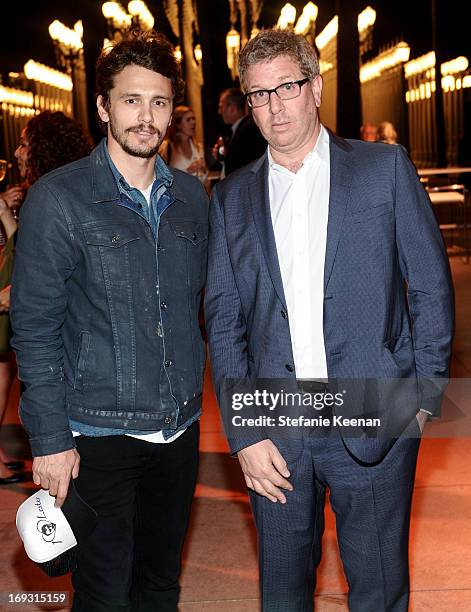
(245, 142)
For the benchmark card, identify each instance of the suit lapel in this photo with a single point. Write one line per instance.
(340, 182)
(260, 201)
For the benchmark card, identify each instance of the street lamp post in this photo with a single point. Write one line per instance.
(306, 24)
(69, 55)
(287, 17)
(246, 13)
(232, 41)
(118, 20)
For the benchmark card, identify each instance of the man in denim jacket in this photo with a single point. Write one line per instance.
(110, 264)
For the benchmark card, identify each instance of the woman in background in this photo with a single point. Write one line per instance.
(387, 133)
(49, 140)
(180, 149)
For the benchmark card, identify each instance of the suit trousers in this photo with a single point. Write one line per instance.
(372, 505)
(142, 493)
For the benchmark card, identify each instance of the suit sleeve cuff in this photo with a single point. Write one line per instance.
(238, 444)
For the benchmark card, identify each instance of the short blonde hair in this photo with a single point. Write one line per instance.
(387, 132)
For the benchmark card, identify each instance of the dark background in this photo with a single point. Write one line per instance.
(25, 34)
(401, 19)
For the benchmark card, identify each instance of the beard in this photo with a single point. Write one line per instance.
(143, 150)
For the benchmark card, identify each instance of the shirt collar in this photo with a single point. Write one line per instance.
(320, 151)
(161, 171)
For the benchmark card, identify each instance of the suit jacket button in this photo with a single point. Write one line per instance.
(284, 314)
(289, 367)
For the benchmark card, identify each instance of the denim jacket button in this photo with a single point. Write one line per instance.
(115, 238)
(167, 420)
(163, 305)
(168, 363)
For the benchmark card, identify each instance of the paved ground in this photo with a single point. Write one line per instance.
(220, 569)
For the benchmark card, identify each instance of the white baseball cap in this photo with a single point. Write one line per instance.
(49, 534)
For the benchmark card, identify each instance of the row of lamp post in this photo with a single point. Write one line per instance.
(305, 25)
(119, 20)
(69, 56)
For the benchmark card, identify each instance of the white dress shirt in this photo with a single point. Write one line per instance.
(299, 204)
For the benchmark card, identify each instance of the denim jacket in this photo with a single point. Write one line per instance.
(105, 306)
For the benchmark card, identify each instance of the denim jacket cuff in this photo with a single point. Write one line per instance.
(49, 445)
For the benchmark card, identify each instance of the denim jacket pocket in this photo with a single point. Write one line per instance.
(81, 361)
(113, 258)
(195, 233)
(193, 239)
(114, 237)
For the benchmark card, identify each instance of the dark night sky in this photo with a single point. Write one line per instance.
(408, 20)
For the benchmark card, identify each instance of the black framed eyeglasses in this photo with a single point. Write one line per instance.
(285, 91)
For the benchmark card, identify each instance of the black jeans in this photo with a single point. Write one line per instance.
(142, 493)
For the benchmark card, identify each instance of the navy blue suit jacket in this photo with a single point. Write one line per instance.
(388, 300)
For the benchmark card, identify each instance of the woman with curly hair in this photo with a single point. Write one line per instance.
(49, 140)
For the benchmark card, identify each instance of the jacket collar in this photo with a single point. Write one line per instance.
(175, 191)
(105, 176)
(335, 140)
(260, 201)
(104, 185)
(341, 175)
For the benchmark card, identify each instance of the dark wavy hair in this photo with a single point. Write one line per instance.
(53, 141)
(149, 50)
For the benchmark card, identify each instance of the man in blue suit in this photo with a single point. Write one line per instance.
(327, 275)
